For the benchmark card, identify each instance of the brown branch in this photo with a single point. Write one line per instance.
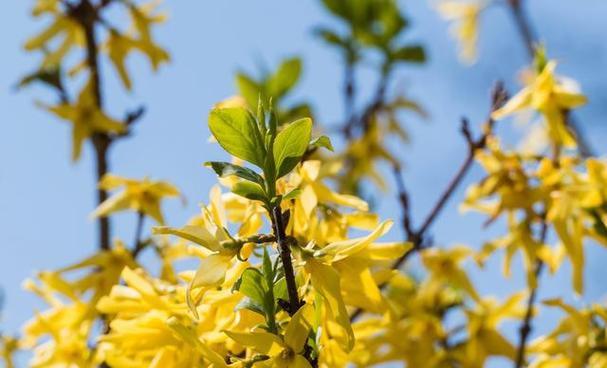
(138, 244)
(526, 326)
(349, 96)
(498, 98)
(523, 26)
(86, 14)
(285, 257)
(417, 237)
(364, 119)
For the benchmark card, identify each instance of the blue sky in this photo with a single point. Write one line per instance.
(45, 200)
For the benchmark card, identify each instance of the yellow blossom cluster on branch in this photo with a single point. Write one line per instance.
(287, 264)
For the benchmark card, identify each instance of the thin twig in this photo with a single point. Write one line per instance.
(417, 237)
(498, 98)
(363, 120)
(525, 329)
(523, 25)
(349, 96)
(138, 245)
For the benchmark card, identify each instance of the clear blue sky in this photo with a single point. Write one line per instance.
(45, 200)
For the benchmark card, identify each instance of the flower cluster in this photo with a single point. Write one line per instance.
(286, 265)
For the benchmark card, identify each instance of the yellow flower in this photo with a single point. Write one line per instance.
(151, 326)
(484, 339)
(210, 233)
(119, 46)
(465, 29)
(8, 346)
(86, 118)
(552, 98)
(340, 272)
(313, 212)
(282, 352)
(60, 335)
(142, 196)
(444, 266)
(577, 341)
(63, 31)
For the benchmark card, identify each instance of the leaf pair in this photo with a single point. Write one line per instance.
(275, 85)
(243, 136)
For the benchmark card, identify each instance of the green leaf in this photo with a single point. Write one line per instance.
(292, 194)
(330, 37)
(51, 77)
(322, 141)
(224, 169)
(296, 112)
(290, 144)
(248, 303)
(248, 89)
(251, 284)
(410, 54)
(236, 131)
(249, 190)
(280, 289)
(268, 270)
(285, 78)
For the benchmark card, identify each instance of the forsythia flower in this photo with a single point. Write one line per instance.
(317, 200)
(119, 46)
(281, 352)
(8, 346)
(578, 340)
(215, 257)
(444, 267)
(465, 29)
(86, 118)
(142, 196)
(63, 28)
(484, 340)
(552, 98)
(60, 335)
(141, 325)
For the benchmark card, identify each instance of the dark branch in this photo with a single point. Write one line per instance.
(526, 326)
(138, 244)
(418, 237)
(285, 257)
(86, 14)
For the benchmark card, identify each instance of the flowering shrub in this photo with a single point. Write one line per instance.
(282, 281)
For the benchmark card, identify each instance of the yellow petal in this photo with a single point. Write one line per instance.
(326, 282)
(343, 249)
(196, 234)
(384, 251)
(261, 342)
(187, 335)
(297, 330)
(211, 272)
(519, 102)
(300, 362)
